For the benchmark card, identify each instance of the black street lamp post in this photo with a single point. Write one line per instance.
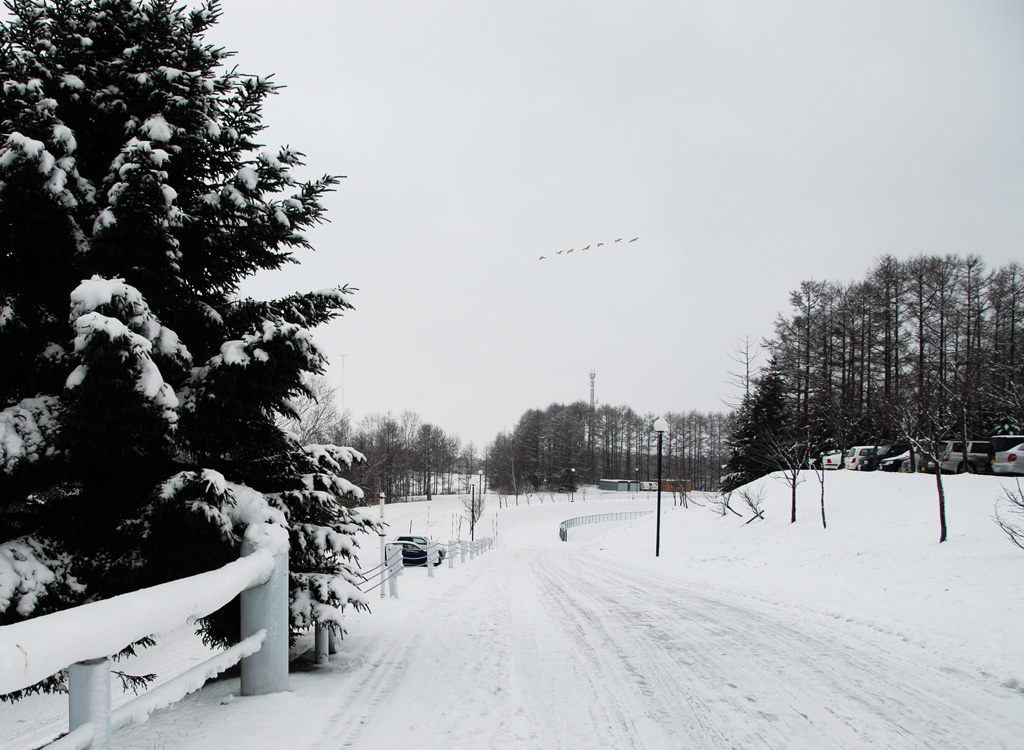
(661, 427)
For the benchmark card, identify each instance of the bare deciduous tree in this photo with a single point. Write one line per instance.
(819, 473)
(1010, 514)
(474, 506)
(753, 497)
(314, 418)
(720, 501)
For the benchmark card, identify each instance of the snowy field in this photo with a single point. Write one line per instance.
(762, 635)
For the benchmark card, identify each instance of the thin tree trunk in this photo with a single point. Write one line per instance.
(942, 501)
(792, 513)
(823, 524)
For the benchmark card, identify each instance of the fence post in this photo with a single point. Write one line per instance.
(463, 548)
(321, 643)
(89, 699)
(394, 565)
(266, 608)
(451, 554)
(431, 557)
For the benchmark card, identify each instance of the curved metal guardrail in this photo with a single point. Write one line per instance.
(629, 515)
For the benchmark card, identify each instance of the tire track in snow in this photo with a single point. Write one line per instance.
(612, 641)
(377, 674)
(765, 683)
(412, 682)
(761, 680)
(571, 701)
(568, 650)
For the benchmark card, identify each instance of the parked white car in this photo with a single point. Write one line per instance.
(1010, 462)
(832, 460)
(859, 457)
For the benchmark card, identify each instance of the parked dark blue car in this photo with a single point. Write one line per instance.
(414, 550)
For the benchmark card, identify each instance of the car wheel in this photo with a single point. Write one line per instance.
(970, 469)
(960, 468)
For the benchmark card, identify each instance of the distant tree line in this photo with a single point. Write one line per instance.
(568, 444)
(557, 448)
(927, 348)
(405, 456)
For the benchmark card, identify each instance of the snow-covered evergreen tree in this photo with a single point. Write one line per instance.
(759, 425)
(138, 393)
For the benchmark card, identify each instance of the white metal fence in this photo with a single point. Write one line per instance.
(82, 639)
(563, 528)
(394, 562)
(88, 639)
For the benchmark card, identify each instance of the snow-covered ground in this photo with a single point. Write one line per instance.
(763, 635)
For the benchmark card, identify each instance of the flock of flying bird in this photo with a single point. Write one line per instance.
(571, 250)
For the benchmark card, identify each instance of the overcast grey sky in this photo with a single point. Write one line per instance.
(750, 145)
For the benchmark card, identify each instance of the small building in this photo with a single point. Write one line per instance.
(618, 485)
(676, 485)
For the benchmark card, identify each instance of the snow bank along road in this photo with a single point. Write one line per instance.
(558, 648)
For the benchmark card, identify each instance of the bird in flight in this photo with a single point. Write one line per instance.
(589, 246)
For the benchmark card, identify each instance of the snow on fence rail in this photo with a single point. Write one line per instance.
(629, 515)
(84, 638)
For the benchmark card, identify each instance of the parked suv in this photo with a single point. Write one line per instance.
(951, 457)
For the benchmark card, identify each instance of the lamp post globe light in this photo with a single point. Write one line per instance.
(660, 427)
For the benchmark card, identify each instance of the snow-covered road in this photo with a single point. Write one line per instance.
(547, 648)
(769, 635)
